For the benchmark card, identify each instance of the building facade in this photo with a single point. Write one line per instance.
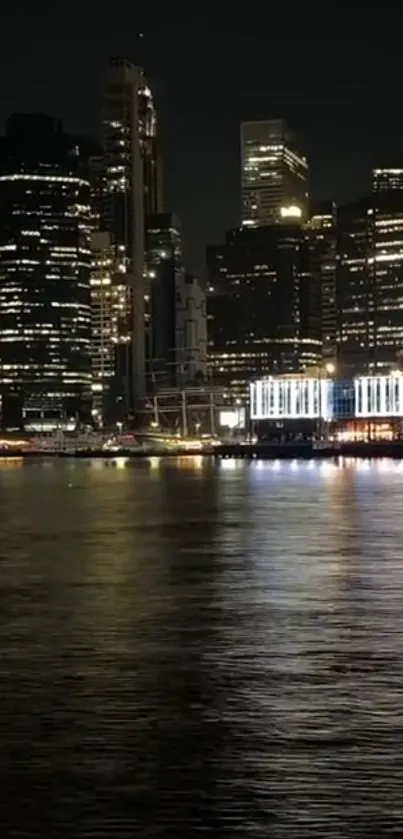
(370, 284)
(274, 174)
(321, 230)
(45, 227)
(191, 329)
(263, 307)
(177, 307)
(165, 269)
(131, 192)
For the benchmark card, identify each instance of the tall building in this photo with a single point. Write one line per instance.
(274, 174)
(321, 230)
(105, 314)
(166, 271)
(45, 221)
(177, 324)
(263, 306)
(131, 192)
(370, 284)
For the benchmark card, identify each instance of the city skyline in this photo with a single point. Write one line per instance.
(345, 111)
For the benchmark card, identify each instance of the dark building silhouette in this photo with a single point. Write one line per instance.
(44, 273)
(176, 330)
(165, 268)
(131, 192)
(263, 306)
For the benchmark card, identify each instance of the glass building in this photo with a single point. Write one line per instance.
(45, 222)
(274, 174)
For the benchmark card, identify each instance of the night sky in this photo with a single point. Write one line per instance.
(334, 71)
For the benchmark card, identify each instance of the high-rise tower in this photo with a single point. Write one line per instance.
(131, 192)
(45, 226)
(274, 174)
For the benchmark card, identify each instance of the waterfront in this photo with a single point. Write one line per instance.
(189, 646)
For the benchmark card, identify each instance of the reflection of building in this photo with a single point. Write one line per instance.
(274, 174)
(322, 236)
(263, 306)
(177, 336)
(131, 191)
(370, 283)
(44, 273)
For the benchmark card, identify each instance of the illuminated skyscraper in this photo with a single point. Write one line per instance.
(44, 273)
(321, 230)
(274, 174)
(131, 192)
(370, 284)
(263, 306)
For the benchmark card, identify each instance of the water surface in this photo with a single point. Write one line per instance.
(189, 648)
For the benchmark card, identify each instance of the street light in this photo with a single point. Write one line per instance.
(330, 368)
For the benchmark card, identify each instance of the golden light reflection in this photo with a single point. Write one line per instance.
(191, 461)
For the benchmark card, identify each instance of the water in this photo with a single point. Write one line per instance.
(189, 648)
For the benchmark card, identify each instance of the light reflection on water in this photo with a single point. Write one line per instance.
(194, 647)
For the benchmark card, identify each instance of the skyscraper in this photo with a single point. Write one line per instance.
(370, 284)
(44, 273)
(131, 191)
(321, 230)
(274, 174)
(263, 306)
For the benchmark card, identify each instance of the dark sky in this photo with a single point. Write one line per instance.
(334, 71)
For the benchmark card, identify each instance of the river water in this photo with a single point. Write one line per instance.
(192, 649)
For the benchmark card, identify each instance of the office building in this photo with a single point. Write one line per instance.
(177, 309)
(45, 222)
(165, 269)
(387, 176)
(263, 307)
(274, 174)
(131, 192)
(321, 230)
(370, 284)
(106, 309)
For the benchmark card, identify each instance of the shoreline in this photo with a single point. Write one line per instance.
(258, 451)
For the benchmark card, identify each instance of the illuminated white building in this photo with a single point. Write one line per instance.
(366, 397)
(378, 396)
(291, 399)
(274, 174)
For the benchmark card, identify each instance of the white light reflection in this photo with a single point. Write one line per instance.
(229, 463)
(154, 462)
(120, 462)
